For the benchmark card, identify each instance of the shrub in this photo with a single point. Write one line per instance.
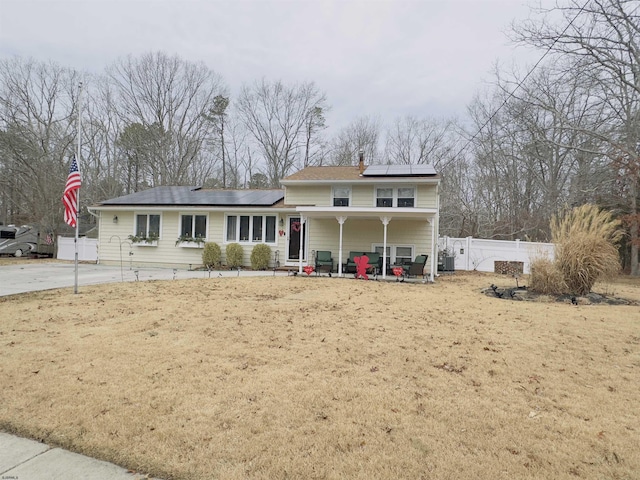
(586, 248)
(260, 256)
(235, 254)
(211, 255)
(546, 278)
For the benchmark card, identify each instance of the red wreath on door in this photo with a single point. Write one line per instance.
(295, 226)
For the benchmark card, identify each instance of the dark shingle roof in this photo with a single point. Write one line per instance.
(197, 196)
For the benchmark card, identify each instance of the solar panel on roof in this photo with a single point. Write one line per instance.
(398, 170)
(376, 170)
(422, 170)
(191, 196)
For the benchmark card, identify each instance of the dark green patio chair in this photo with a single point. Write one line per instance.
(416, 268)
(324, 261)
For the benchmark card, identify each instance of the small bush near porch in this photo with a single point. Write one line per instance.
(260, 256)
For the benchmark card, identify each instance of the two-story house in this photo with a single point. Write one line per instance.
(390, 209)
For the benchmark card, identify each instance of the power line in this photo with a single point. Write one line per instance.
(521, 82)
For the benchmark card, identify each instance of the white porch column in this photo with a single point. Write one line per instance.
(385, 222)
(302, 228)
(341, 221)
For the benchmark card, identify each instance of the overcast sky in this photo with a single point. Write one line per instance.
(381, 58)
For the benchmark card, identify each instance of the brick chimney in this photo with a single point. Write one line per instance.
(361, 164)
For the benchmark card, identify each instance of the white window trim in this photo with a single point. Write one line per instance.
(394, 201)
(391, 259)
(250, 241)
(135, 230)
(333, 193)
(194, 214)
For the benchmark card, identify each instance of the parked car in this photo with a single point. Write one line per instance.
(24, 240)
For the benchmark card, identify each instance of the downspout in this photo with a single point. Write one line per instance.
(435, 230)
(99, 217)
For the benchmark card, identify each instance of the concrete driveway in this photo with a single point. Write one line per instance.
(34, 276)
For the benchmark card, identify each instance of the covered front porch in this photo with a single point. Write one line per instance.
(390, 231)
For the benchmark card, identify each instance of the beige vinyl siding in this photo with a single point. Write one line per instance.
(360, 235)
(114, 236)
(246, 254)
(166, 253)
(410, 232)
(362, 196)
(427, 196)
(319, 195)
(324, 234)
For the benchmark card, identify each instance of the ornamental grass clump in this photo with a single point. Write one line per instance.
(260, 256)
(586, 247)
(235, 253)
(546, 278)
(211, 255)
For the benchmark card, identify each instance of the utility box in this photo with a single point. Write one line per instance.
(446, 264)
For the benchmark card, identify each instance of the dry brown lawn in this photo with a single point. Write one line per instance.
(309, 378)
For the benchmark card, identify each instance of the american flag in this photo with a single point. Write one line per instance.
(70, 196)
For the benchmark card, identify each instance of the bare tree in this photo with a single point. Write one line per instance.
(218, 117)
(313, 146)
(604, 36)
(171, 99)
(38, 111)
(416, 141)
(104, 169)
(276, 116)
(362, 134)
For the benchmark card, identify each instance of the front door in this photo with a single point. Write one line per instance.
(296, 235)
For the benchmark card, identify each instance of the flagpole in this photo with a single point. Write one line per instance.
(79, 135)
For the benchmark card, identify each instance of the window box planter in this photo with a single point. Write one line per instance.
(144, 241)
(149, 243)
(190, 244)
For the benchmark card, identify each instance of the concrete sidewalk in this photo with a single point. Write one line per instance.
(31, 277)
(22, 459)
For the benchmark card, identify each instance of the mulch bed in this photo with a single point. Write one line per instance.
(522, 293)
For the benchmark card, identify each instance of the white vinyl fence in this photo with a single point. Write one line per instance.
(476, 254)
(87, 249)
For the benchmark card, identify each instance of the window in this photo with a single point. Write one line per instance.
(341, 196)
(232, 225)
(256, 236)
(251, 228)
(244, 228)
(397, 254)
(395, 197)
(404, 255)
(384, 197)
(194, 226)
(406, 197)
(378, 249)
(147, 226)
(270, 234)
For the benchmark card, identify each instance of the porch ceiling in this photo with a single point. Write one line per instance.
(368, 213)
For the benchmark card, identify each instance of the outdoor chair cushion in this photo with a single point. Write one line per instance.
(417, 267)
